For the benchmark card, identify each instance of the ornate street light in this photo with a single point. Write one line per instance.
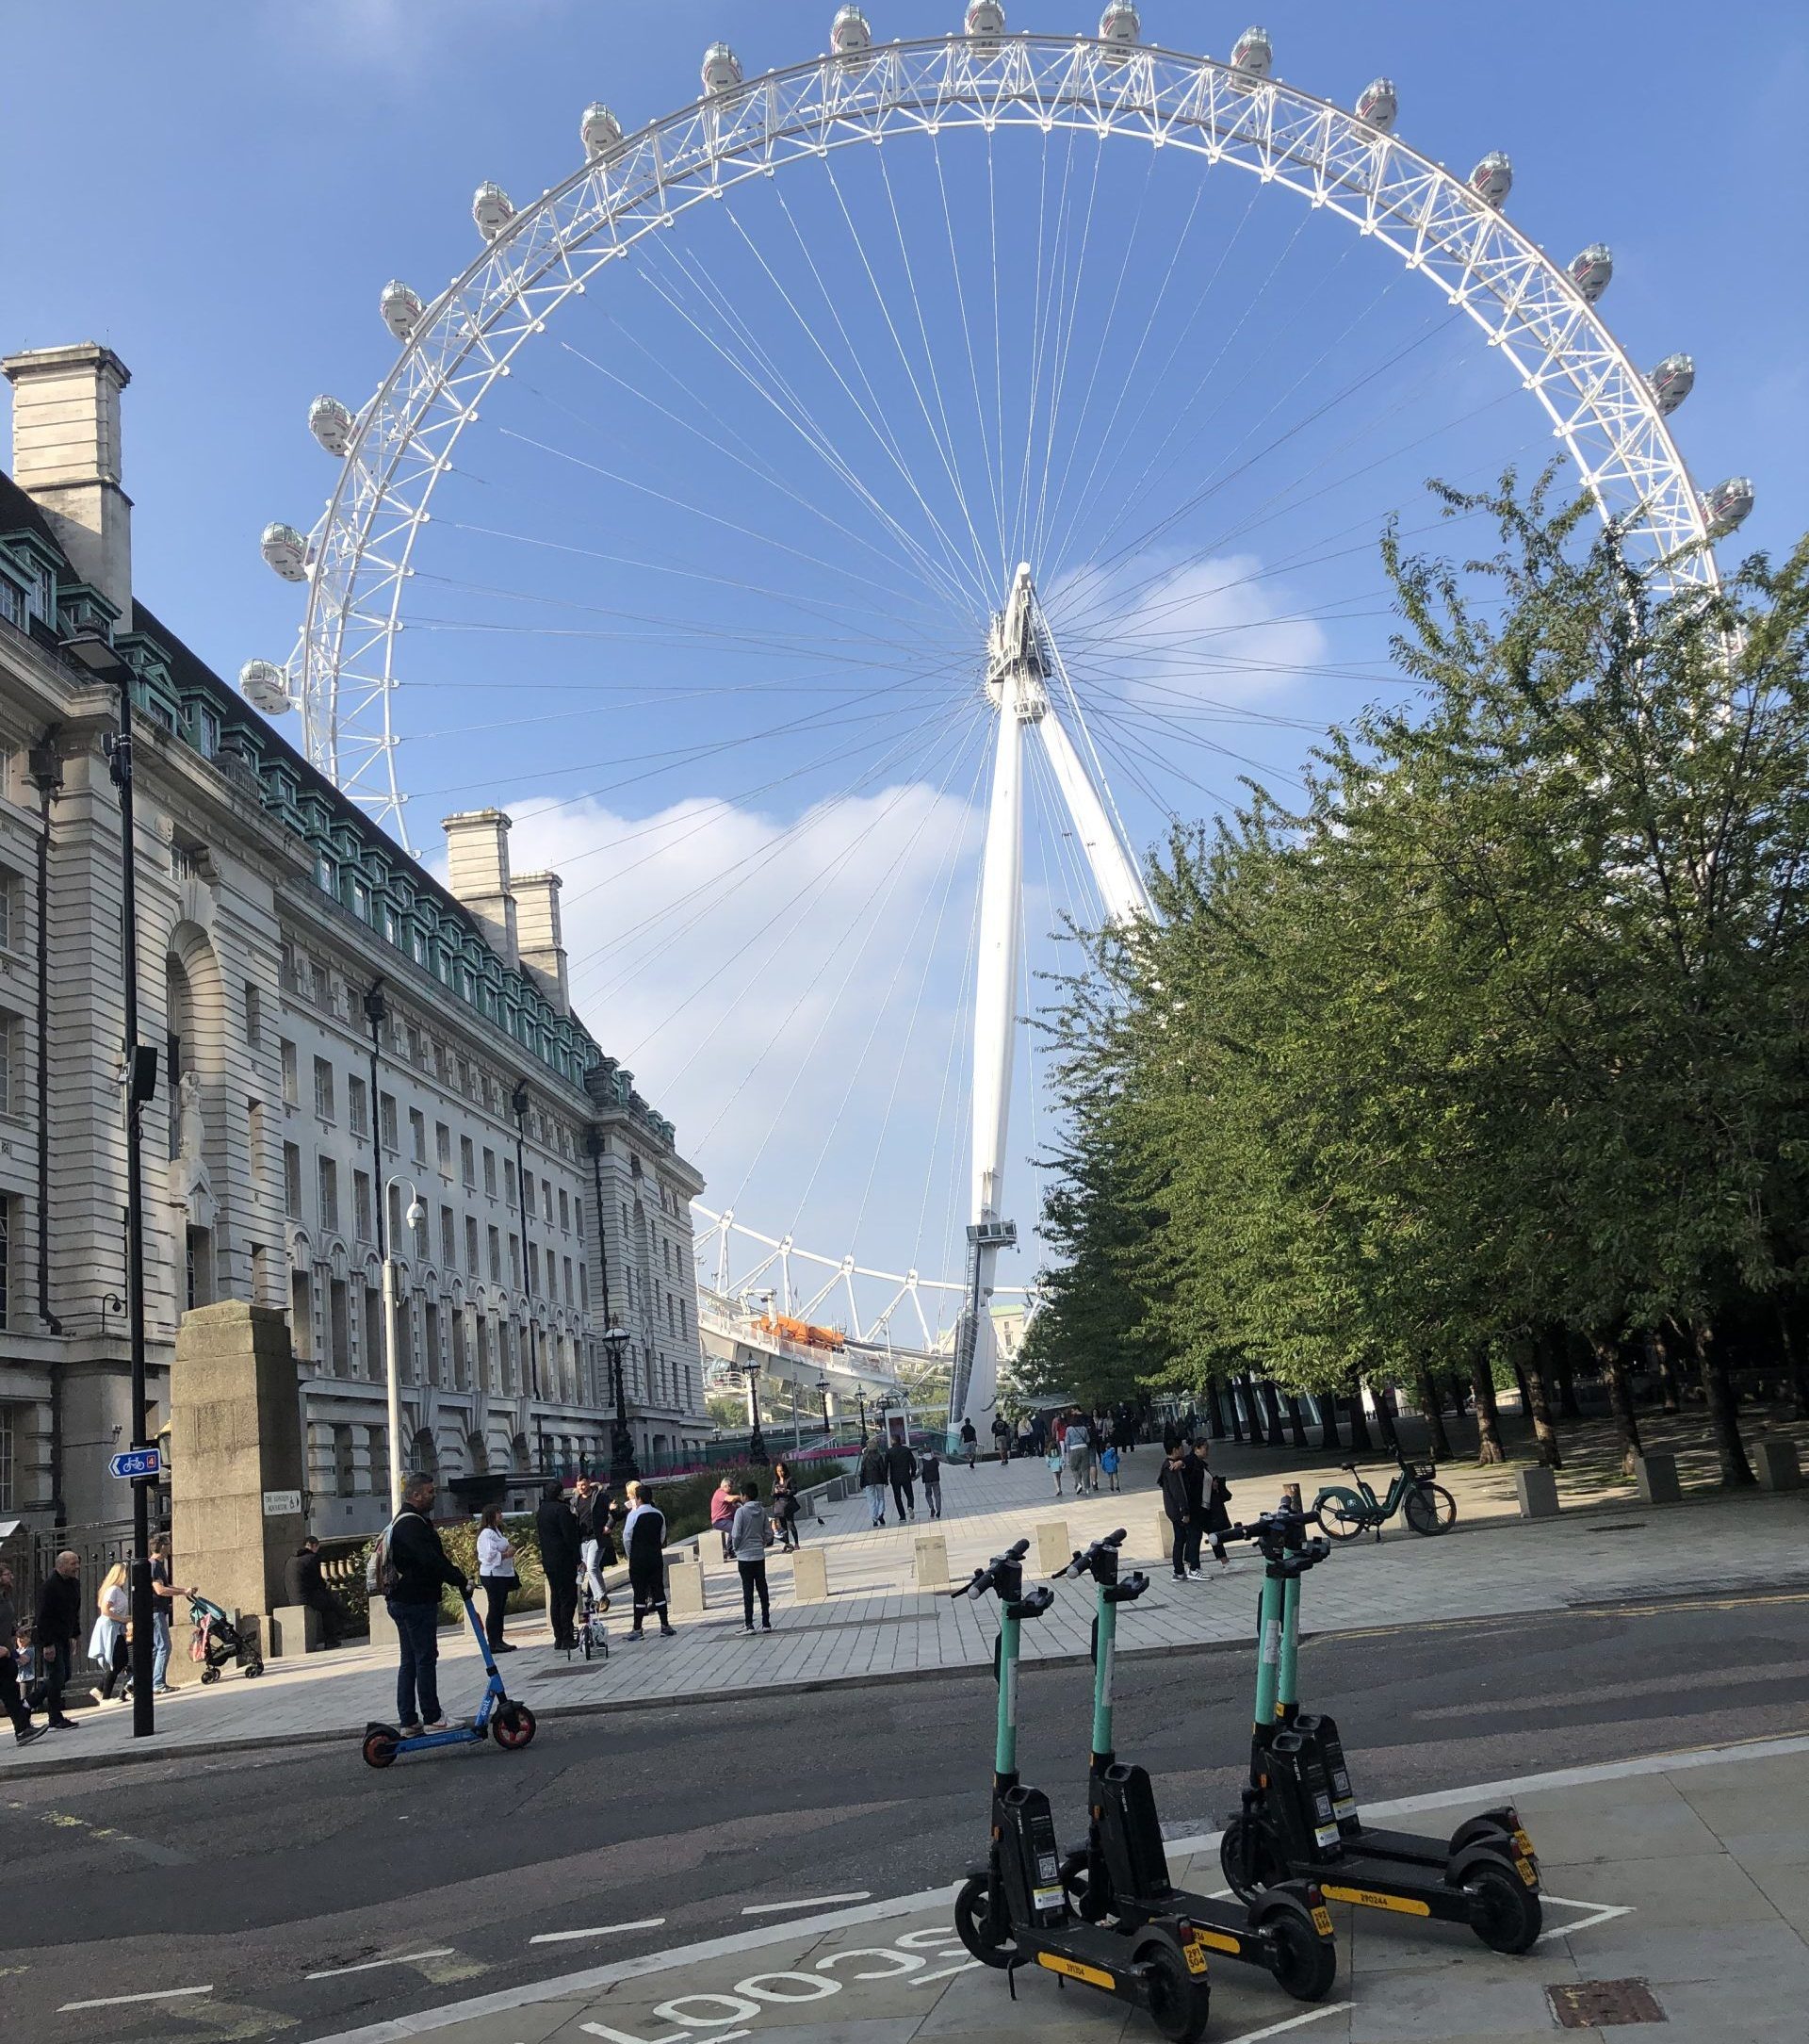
(622, 1464)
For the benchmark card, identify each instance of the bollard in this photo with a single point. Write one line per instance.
(1657, 1476)
(685, 1586)
(295, 1628)
(1165, 1536)
(1776, 1463)
(932, 1562)
(1054, 1550)
(809, 1576)
(1538, 1491)
(383, 1626)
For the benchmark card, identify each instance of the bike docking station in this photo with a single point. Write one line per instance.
(1299, 1818)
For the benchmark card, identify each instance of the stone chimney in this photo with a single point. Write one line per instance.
(66, 458)
(477, 863)
(542, 951)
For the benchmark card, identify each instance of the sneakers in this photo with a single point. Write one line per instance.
(749, 1630)
(439, 1725)
(1192, 1574)
(110, 1703)
(409, 1731)
(26, 1733)
(766, 1624)
(63, 1725)
(668, 1632)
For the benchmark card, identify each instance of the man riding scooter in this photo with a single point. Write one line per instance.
(414, 1571)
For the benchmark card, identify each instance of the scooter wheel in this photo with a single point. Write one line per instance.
(1179, 2000)
(973, 1928)
(380, 1746)
(1504, 1912)
(1266, 1861)
(513, 1727)
(1089, 1908)
(209, 1675)
(1304, 1964)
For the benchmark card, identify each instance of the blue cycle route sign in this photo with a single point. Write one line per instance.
(140, 1462)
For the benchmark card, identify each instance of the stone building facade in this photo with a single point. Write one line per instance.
(284, 941)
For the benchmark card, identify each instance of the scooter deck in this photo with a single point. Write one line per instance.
(1223, 1927)
(1100, 1958)
(1371, 1882)
(1408, 1848)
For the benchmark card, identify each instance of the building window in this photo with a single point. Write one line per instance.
(533, 1269)
(7, 1488)
(360, 1204)
(443, 1148)
(490, 1173)
(6, 1063)
(254, 1017)
(584, 1288)
(546, 1201)
(471, 1244)
(357, 1101)
(496, 1256)
(292, 1180)
(386, 1113)
(527, 1190)
(577, 1217)
(514, 1262)
(291, 1095)
(508, 1181)
(568, 1282)
(254, 1133)
(417, 1135)
(8, 881)
(329, 1196)
(6, 1275)
(323, 1088)
(565, 1212)
(448, 1240)
(468, 1163)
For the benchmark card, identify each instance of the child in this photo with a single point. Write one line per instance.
(929, 1467)
(1109, 1462)
(1052, 1461)
(750, 1535)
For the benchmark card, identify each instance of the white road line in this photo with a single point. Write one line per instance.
(1290, 2022)
(807, 1902)
(599, 1930)
(1597, 1913)
(117, 2001)
(948, 1972)
(370, 1966)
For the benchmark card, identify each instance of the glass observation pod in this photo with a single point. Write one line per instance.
(1592, 270)
(985, 23)
(1727, 504)
(285, 551)
(492, 209)
(599, 130)
(1671, 381)
(849, 34)
(1493, 178)
(401, 309)
(331, 424)
(266, 687)
(721, 71)
(1377, 104)
(1253, 53)
(1121, 23)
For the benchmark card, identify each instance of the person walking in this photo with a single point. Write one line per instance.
(412, 1572)
(496, 1573)
(556, 1531)
(1053, 1462)
(590, 1509)
(58, 1627)
(1078, 1450)
(930, 1469)
(1109, 1464)
(11, 1640)
(785, 1508)
(901, 1466)
(1001, 1437)
(304, 1581)
(750, 1535)
(872, 1481)
(1215, 1495)
(970, 1443)
(644, 1541)
(1175, 1501)
(721, 1512)
(106, 1643)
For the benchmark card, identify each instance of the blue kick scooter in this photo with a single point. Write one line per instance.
(499, 1717)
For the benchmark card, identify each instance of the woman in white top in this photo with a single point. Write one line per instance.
(106, 1643)
(497, 1572)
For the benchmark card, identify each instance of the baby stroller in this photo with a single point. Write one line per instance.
(217, 1643)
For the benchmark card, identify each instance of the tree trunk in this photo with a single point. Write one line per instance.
(1796, 1363)
(1385, 1419)
(1215, 1409)
(1459, 1395)
(1668, 1389)
(1358, 1421)
(1482, 1375)
(1567, 1406)
(1544, 1433)
(1328, 1433)
(1272, 1413)
(1613, 1365)
(1433, 1405)
(1523, 1388)
(1297, 1421)
(1724, 1428)
(1230, 1400)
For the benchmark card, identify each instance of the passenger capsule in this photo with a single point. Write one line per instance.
(599, 131)
(286, 551)
(1253, 53)
(1592, 270)
(1493, 178)
(492, 209)
(722, 69)
(1377, 104)
(331, 424)
(985, 23)
(401, 309)
(266, 687)
(1727, 504)
(849, 34)
(1120, 23)
(1671, 381)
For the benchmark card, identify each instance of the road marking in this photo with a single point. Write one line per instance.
(599, 1930)
(948, 1972)
(807, 1902)
(370, 1966)
(117, 2001)
(1291, 2023)
(1596, 1913)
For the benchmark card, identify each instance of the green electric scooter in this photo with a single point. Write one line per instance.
(1122, 1871)
(1013, 1911)
(1485, 1875)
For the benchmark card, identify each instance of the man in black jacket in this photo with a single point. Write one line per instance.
(1183, 1488)
(415, 1571)
(13, 1703)
(58, 1627)
(304, 1581)
(901, 1466)
(557, 1534)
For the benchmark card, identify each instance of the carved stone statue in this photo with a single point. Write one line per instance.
(189, 1133)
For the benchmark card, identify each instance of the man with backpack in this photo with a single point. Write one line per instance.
(411, 1569)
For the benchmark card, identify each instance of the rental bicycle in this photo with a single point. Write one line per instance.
(1345, 1514)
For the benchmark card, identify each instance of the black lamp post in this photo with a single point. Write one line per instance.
(823, 1392)
(756, 1451)
(518, 1102)
(622, 1464)
(860, 1406)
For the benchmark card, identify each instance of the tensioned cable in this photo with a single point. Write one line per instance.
(1074, 290)
(993, 479)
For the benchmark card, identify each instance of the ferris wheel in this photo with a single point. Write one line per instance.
(929, 428)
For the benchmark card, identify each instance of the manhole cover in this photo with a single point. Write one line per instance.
(1592, 2005)
(1619, 1526)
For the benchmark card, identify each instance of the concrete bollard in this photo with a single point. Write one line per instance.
(295, 1628)
(809, 1576)
(932, 1562)
(1053, 1548)
(1165, 1536)
(383, 1626)
(685, 1586)
(1775, 1461)
(1657, 1476)
(1537, 1489)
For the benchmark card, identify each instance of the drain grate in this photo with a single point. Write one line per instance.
(1592, 2004)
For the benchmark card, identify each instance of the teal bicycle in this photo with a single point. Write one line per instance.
(1348, 1513)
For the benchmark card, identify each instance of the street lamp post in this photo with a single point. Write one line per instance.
(823, 1392)
(860, 1406)
(755, 1439)
(415, 1215)
(518, 1102)
(622, 1464)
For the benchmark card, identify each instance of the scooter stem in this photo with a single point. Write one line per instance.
(1004, 1754)
(1106, 1618)
(1268, 1648)
(1287, 1686)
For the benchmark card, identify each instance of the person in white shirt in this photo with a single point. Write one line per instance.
(496, 1573)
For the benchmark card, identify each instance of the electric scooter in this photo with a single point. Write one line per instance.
(1122, 1871)
(1013, 1911)
(1485, 1876)
(510, 1724)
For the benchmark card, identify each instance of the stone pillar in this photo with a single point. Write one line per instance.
(1538, 1492)
(1656, 1477)
(1774, 1458)
(1054, 1551)
(236, 1471)
(477, 870)
(543, 945)
(66, 458)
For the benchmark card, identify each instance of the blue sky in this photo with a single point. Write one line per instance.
(653, 622)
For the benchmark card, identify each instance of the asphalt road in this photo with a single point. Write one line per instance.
(247, 1874)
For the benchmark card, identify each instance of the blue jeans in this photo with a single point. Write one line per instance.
(876, 1500)
(159, 1648)
(418, 1633)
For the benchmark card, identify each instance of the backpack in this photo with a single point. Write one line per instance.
(380, 1571)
